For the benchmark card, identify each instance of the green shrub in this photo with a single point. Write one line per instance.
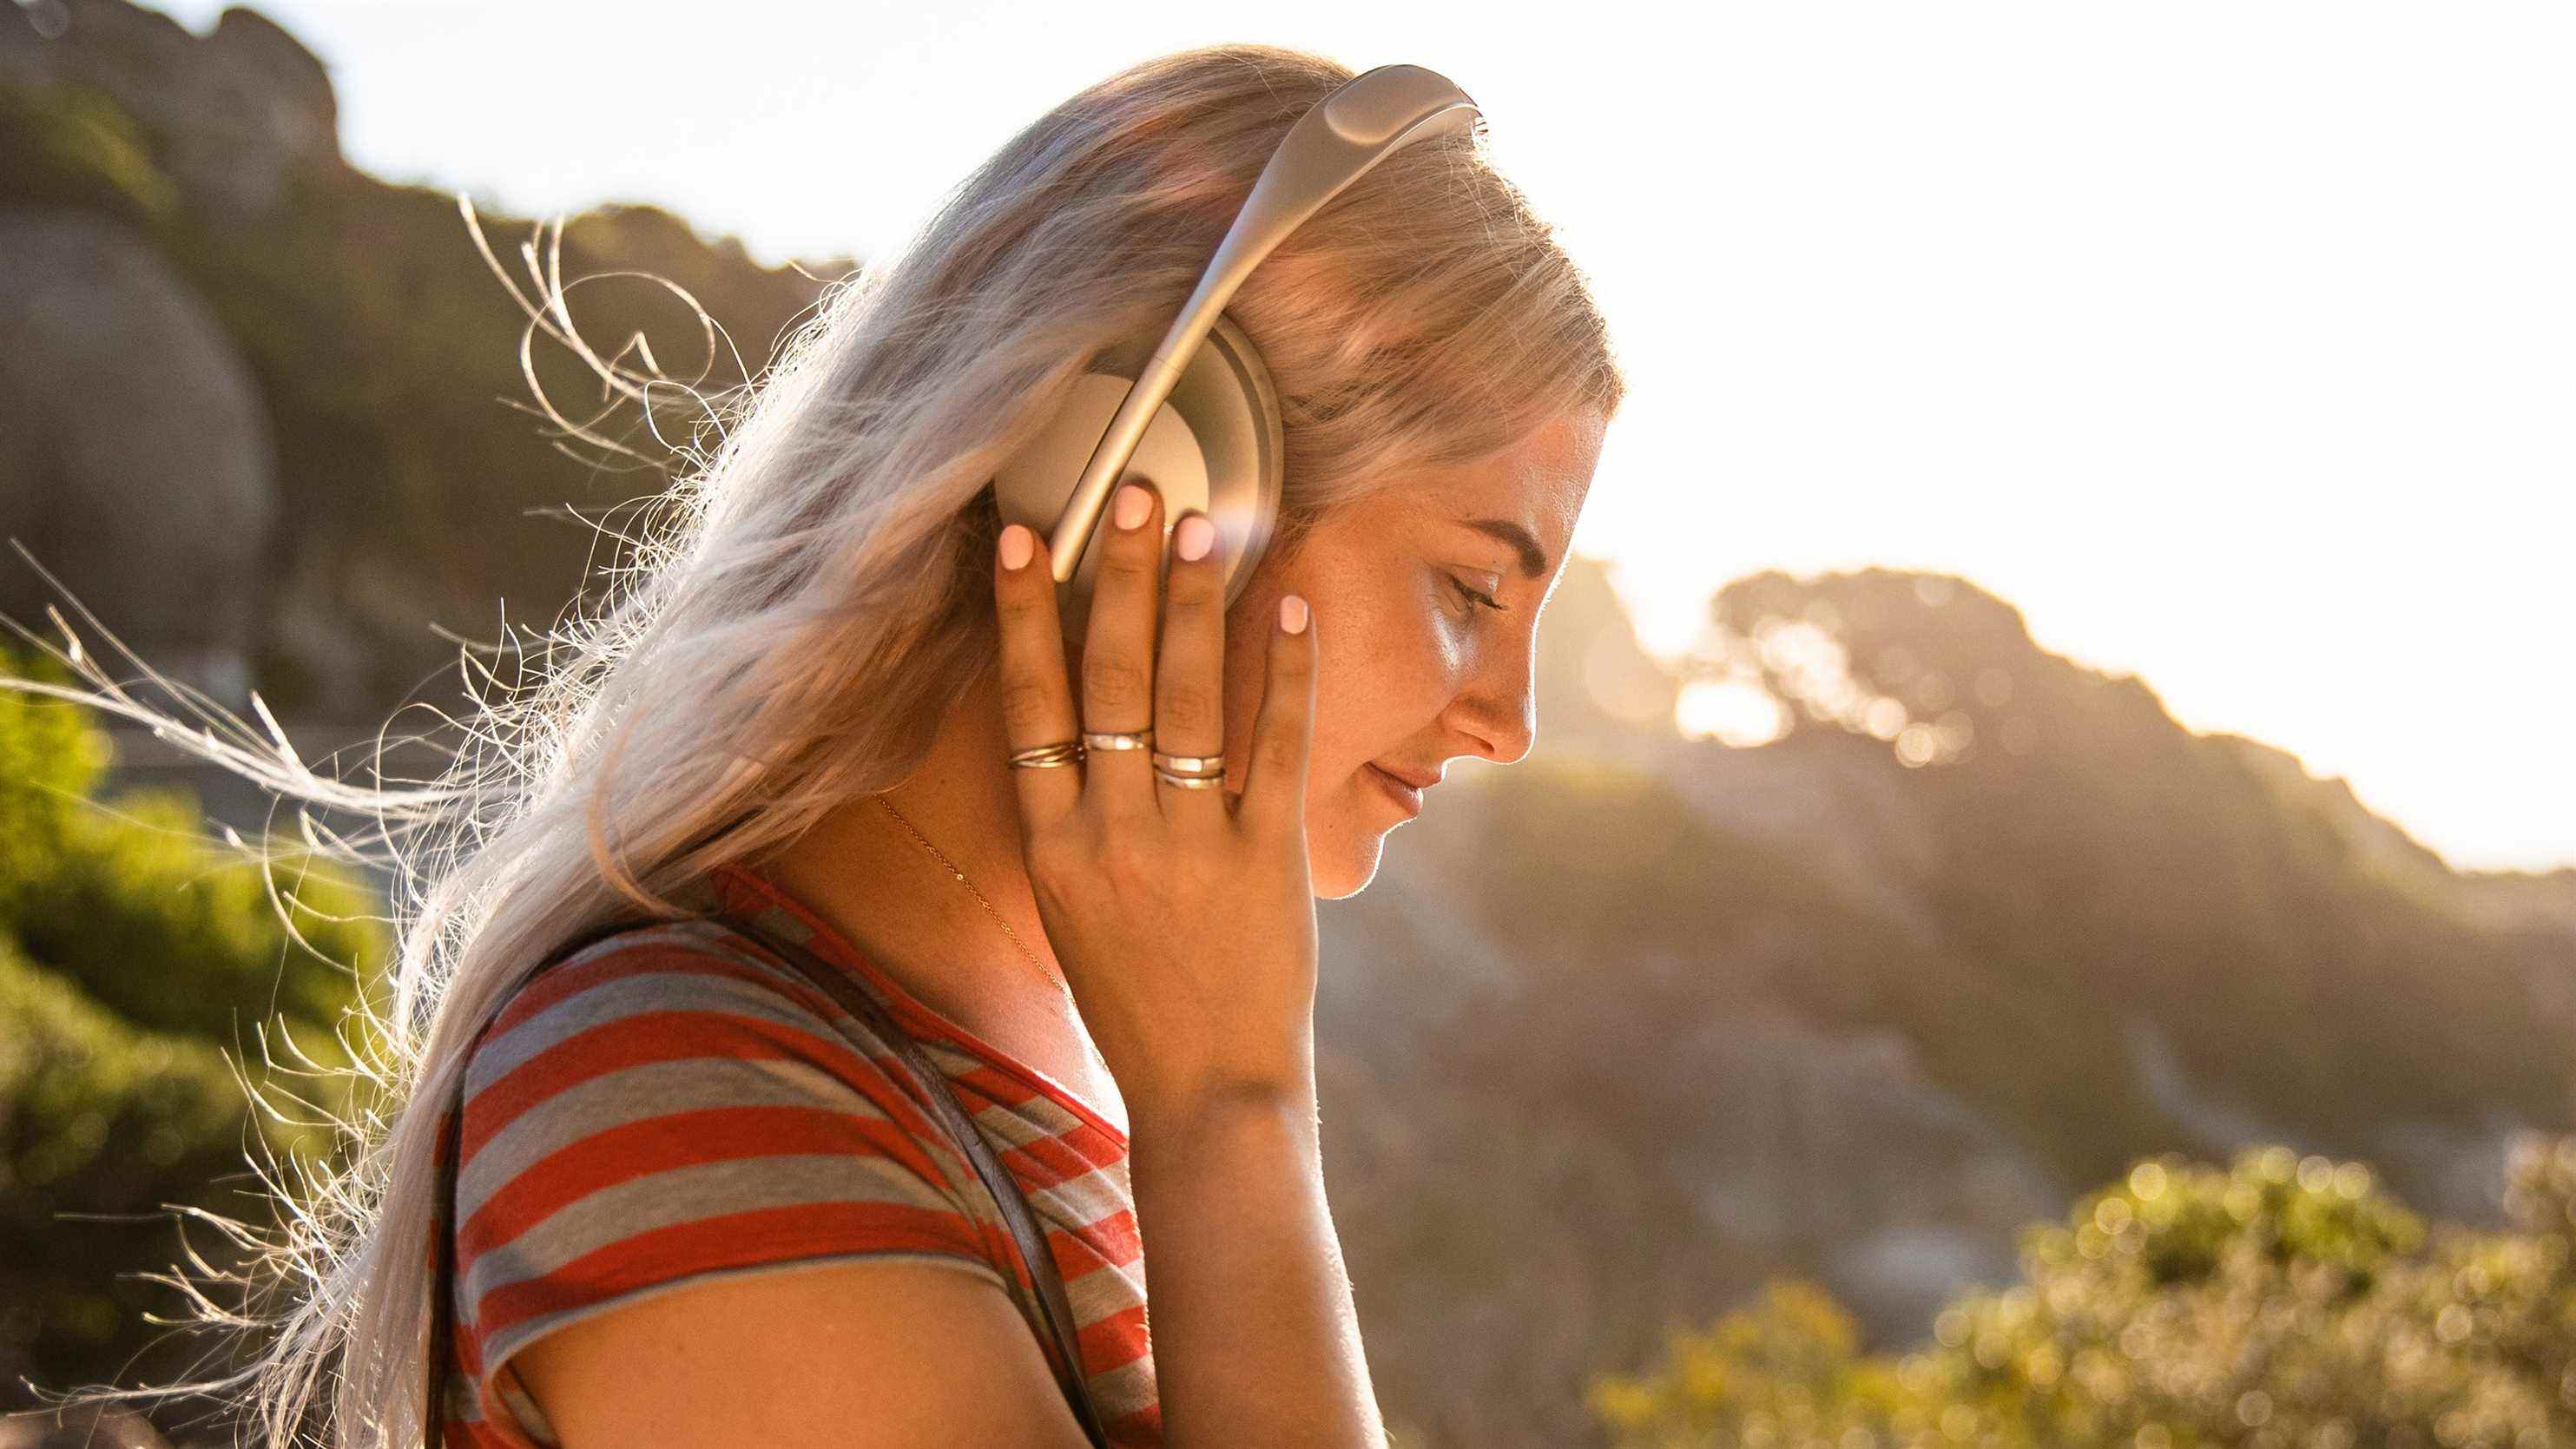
(145, 974)
(2279, 1304)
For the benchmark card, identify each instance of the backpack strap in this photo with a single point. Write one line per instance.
(1054, 1318)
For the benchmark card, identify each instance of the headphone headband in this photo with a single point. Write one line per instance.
(1372, 116)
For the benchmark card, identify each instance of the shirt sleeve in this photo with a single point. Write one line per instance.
(656, 1112)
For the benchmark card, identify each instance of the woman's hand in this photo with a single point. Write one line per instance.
(1184, 919)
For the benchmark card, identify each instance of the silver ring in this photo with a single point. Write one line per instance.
(1119, 739)
(1038, 757)
(1190, 772)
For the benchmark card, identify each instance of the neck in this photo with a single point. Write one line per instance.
(874, 883)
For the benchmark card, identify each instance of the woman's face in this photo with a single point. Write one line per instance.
(1413, 671)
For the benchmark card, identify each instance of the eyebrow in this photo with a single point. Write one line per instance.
(1533, 557)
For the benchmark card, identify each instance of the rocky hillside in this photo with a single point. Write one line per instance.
(1628, 1027)
(262, 403)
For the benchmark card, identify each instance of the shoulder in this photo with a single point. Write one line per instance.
(646, 973)
(670, 1103)
(684, 1037)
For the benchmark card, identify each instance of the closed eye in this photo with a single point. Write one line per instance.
(1476, 598)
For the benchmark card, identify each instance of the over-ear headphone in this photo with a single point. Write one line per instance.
(1198, 417)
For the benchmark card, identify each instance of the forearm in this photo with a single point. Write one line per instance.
(1254, 1333)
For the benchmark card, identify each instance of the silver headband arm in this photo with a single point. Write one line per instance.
(1373, 115)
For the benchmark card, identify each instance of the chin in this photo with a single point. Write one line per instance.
(1343, 847)
(1345, 873)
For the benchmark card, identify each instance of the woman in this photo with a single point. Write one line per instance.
(693, 1207)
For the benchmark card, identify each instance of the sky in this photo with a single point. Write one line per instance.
(2234, 344)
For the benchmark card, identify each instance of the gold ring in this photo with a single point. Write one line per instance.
(1063, 752)
(1118, 739)
(1192, 782)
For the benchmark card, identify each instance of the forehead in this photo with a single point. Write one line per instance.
(1539, 483)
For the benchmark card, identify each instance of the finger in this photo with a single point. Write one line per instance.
(1274, 797)
(1037, 695)
(1189, 667)
(1118, 653)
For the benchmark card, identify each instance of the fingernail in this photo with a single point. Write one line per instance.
(1133, 504)
(1017, 544)
(1292, 614)
(1194, 537)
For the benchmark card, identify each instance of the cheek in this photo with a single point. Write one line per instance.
(1340, 709)
(1388, 662)
(1400, 654)
(1383, 685)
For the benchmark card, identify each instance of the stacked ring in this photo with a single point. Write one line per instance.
(1062, 752)
(1190, 772)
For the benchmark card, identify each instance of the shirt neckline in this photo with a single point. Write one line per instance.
(916, 1014)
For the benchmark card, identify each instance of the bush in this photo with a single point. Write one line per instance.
(2279, 1304)
(146, 974)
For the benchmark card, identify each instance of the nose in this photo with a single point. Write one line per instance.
(1497, 710)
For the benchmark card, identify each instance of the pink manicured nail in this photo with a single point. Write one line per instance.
(1194, 537)
(1017, 544)
(1292, 614)
(1133, 504)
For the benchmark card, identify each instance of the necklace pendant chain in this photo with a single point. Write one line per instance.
(1034, 964)
(951, 866)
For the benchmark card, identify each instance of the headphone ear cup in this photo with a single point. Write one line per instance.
(1214, 445)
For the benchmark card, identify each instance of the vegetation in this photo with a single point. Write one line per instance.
(151, 983)
(66, 145)
(2279, 1304)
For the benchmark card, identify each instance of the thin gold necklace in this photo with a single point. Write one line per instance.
(1034, 964)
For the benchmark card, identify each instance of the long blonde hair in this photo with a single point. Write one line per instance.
(815, 596)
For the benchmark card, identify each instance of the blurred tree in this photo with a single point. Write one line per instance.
(146, 975)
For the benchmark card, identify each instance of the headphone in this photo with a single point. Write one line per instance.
(1198, 415)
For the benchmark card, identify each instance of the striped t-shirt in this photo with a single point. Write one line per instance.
(672, 1103)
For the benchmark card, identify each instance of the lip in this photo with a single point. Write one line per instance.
(1407, 796)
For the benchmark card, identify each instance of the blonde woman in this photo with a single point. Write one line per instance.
(695, 1207)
